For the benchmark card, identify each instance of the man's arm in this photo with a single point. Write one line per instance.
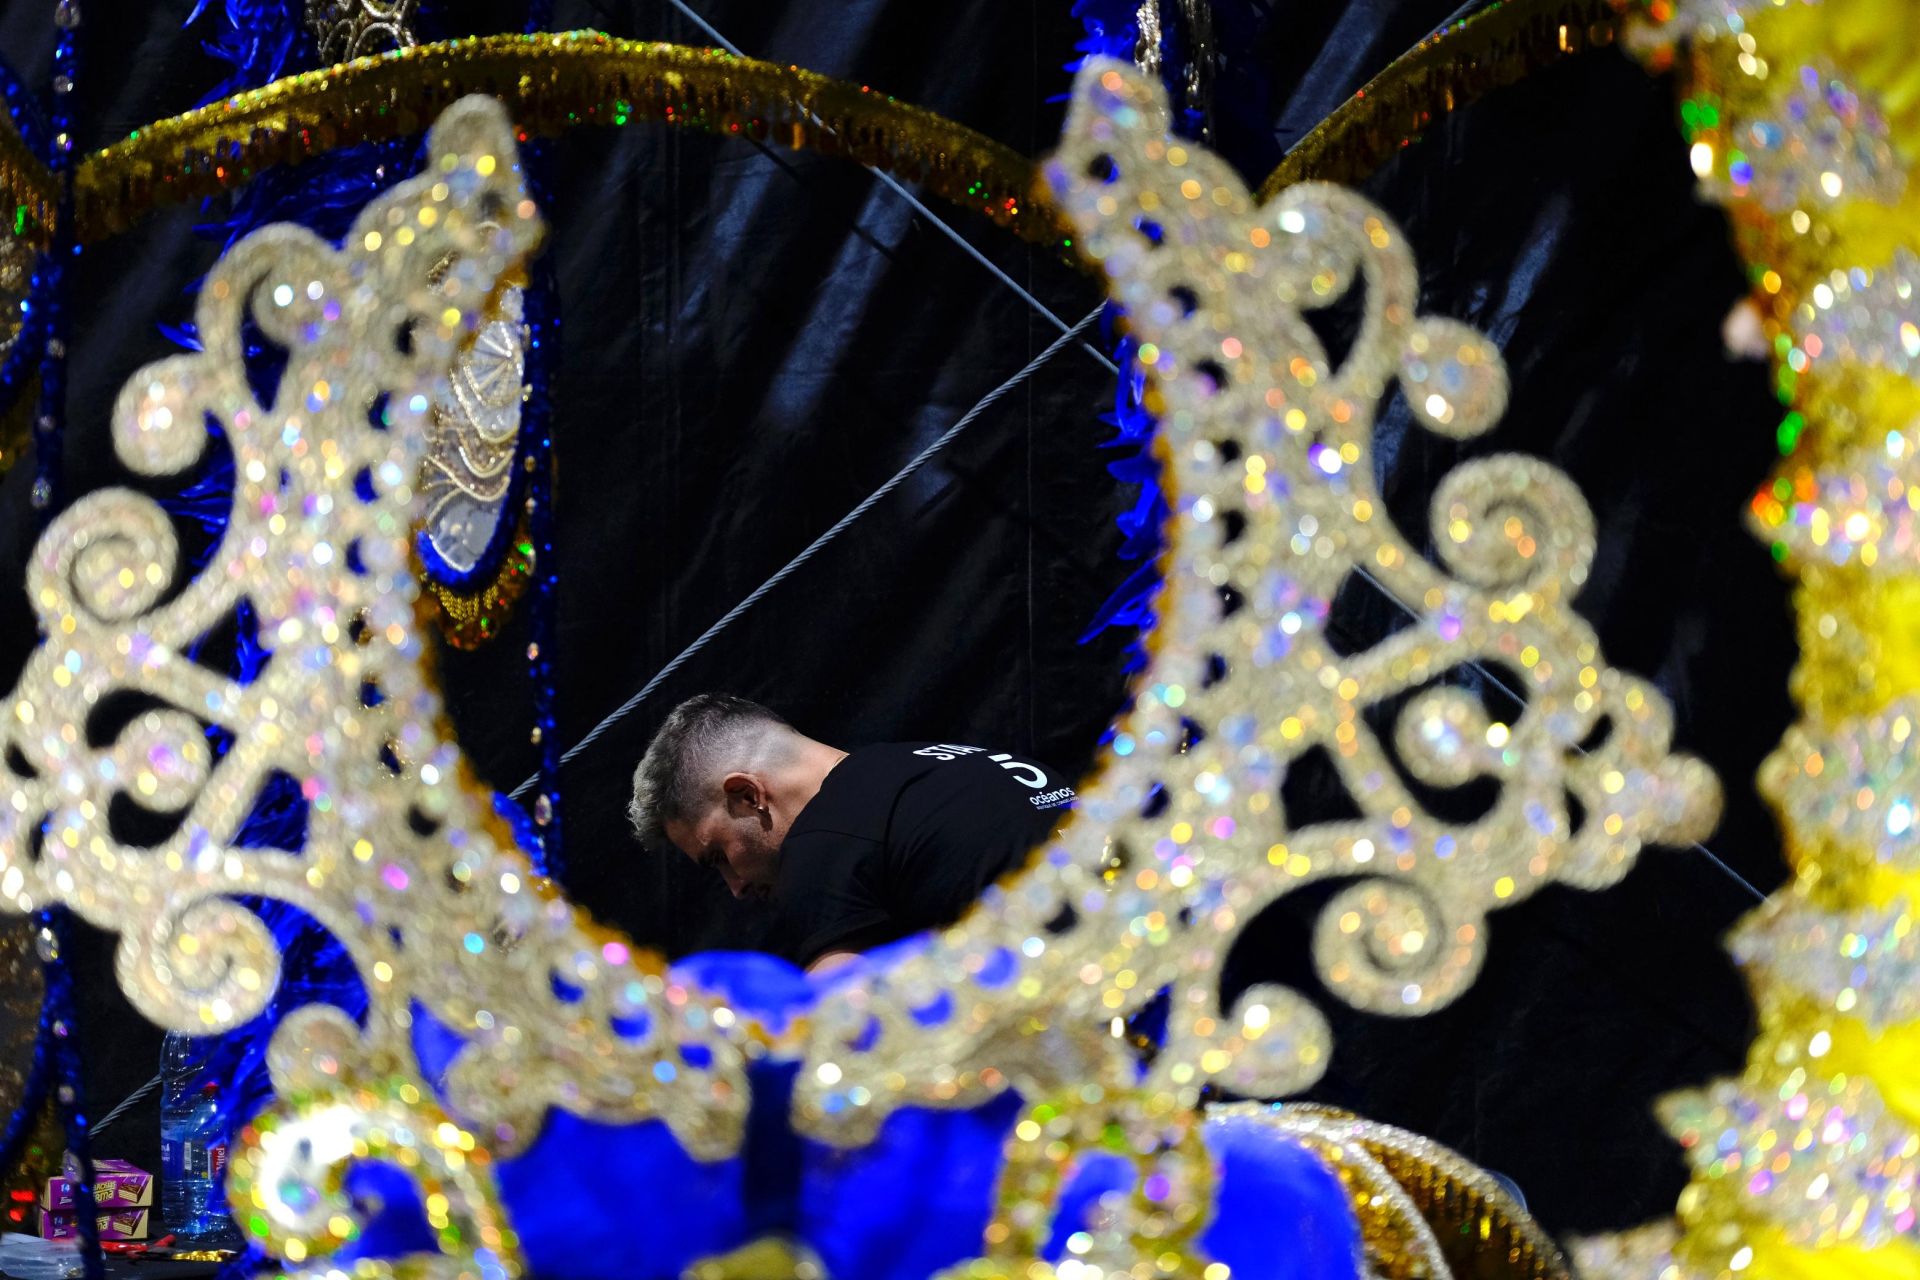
(830, 961)
(824, 905)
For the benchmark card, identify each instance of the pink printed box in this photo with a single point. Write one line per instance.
(118, 1224)
(116, 1185)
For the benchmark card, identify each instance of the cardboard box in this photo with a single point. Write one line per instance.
(116, 1185)
(119, 1224)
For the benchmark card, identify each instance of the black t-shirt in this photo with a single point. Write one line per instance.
(903, 836)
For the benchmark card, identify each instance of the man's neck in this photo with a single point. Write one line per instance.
(801, 778)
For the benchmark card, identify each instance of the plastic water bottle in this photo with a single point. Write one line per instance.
(193, 1147)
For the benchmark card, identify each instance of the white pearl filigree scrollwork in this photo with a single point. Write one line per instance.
(288, 1178)
(132, 757)
(1181, 838)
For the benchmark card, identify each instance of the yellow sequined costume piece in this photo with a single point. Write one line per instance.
(1804, 119)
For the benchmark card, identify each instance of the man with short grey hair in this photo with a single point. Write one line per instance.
(851, 849)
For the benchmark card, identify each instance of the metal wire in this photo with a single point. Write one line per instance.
(813, 548)
(919, 206)
(127, 1103)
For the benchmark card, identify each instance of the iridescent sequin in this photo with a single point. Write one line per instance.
(1824, 145)
(1824, 1161)
(1864, 962)
(1855, 784)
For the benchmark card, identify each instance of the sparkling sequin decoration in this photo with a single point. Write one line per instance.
(1456, 65)
(334, 1106)
(345, 29)
(16, 279)
(1806, 1144)
(1179, 843)
(477, 568)
(1806, 1164)
(549, 82)
(1862, 511)
(1824, 144)
(1866, 317)
(1864, 962)
(1855, 785)
(1180, 839)
(1424, 1211)
(401, 857)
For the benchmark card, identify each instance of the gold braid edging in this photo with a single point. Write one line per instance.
(1477, 1229)
(26, 190)
(1448, 70)
(551, 82)
(548, 82)
(470, 619)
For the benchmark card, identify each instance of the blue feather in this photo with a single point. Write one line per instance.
(1131, 604)
(259, 39)
(1112, 29)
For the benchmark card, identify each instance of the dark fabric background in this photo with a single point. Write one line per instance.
(753, 341)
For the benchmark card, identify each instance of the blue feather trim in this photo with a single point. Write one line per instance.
(260, 39)
(1112, 30)
(1141, 524)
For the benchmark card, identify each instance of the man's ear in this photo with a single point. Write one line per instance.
(743, 792)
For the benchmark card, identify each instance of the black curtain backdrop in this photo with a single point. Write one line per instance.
(754, 340)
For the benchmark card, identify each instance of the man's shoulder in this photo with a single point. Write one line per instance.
(877, 787)
(858, 794)
(1000, 779)
(881, 769)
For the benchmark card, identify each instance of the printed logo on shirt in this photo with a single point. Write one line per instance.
(1028, 774)
(1056, 799)
(948, 751)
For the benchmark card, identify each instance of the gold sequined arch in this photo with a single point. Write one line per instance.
(1456, 65)
(563, 80)
(548, 83)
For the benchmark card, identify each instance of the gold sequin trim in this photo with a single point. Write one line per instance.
(548, 83)
(1448, 70)
(470, 619)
